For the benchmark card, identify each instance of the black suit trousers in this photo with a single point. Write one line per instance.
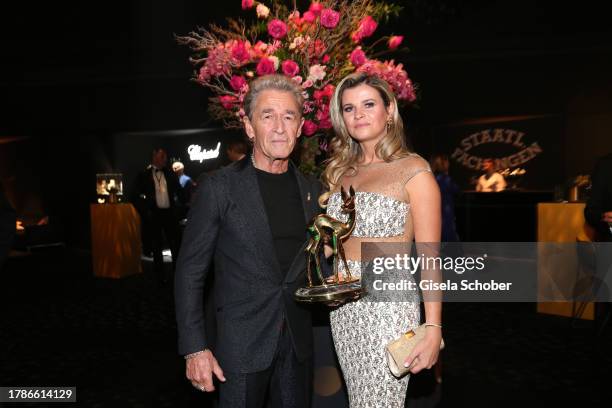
(163, 222)
(287, 383)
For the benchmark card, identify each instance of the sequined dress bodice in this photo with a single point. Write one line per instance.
(378, 216)
(382, 203)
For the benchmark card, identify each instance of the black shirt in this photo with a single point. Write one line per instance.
(283, 204)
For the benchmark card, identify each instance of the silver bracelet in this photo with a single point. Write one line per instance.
(192, 355)
(434, 325)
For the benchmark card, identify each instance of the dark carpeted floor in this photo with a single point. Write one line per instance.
(115, 341)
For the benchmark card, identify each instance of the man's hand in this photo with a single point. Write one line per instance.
(200, 371)
(607, 217)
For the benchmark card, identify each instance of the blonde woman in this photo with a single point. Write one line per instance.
(397, 200)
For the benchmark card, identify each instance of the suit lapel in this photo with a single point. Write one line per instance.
(250, 203)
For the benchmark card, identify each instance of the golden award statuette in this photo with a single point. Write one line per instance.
(324, 229)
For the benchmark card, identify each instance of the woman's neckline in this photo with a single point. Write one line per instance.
(373, 163)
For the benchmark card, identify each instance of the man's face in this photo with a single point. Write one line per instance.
(160, 159)
(487, 165)
(275, 126)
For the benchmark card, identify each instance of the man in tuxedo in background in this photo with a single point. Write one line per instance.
(598, 210)
(251, 217)
(157, 190)
(598, 213)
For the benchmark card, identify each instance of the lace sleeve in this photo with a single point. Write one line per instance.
(416, 165)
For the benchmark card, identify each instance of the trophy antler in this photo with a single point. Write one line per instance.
(326, 229)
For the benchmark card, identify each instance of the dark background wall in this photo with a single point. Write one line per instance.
(74, 77)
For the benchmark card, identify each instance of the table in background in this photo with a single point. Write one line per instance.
(115, 240)
(562, 222)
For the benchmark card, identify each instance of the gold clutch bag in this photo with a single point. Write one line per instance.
(399, 349)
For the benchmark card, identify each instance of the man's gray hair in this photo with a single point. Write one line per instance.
(275, 82)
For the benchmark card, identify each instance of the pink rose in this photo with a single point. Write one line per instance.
(297, 79)
(237, 82)
(395, 41)
(316, 73)
(227, 101)
(309, 17)
(309, 128)
(358, 57)
(290, 68)
(367, 26)
(240, 52)
(316, 8)
(265, 67)
(329, 18)
(307, 84)
(277, 29)
(247, 4)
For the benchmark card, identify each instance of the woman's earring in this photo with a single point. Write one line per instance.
(389, 124)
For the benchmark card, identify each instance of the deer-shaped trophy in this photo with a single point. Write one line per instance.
(324, 229)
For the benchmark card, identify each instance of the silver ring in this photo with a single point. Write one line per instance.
(199, 387)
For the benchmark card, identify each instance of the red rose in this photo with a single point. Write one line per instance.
(237, 82)
(330, 18)
(265, 67)
(227, 101)
(329, 90)
(240, 52)
(309, 17)
(315, 8)
(367, 26)
(290, 68)
(247, 4)
(277, 29)
(358, 57)
(309, 128)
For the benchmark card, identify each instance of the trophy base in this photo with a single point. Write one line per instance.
(329, 292)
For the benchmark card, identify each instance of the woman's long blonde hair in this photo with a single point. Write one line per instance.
(345, 152)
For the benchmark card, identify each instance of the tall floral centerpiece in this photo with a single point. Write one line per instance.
(316, 47)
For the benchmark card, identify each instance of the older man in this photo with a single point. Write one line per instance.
(250, 217)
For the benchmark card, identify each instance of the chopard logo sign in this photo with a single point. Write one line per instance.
(463, 156)
(196, 153)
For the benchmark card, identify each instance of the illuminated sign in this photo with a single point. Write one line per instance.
(196, 153)
(510, 137)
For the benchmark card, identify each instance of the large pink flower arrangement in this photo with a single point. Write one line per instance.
(315, 47)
